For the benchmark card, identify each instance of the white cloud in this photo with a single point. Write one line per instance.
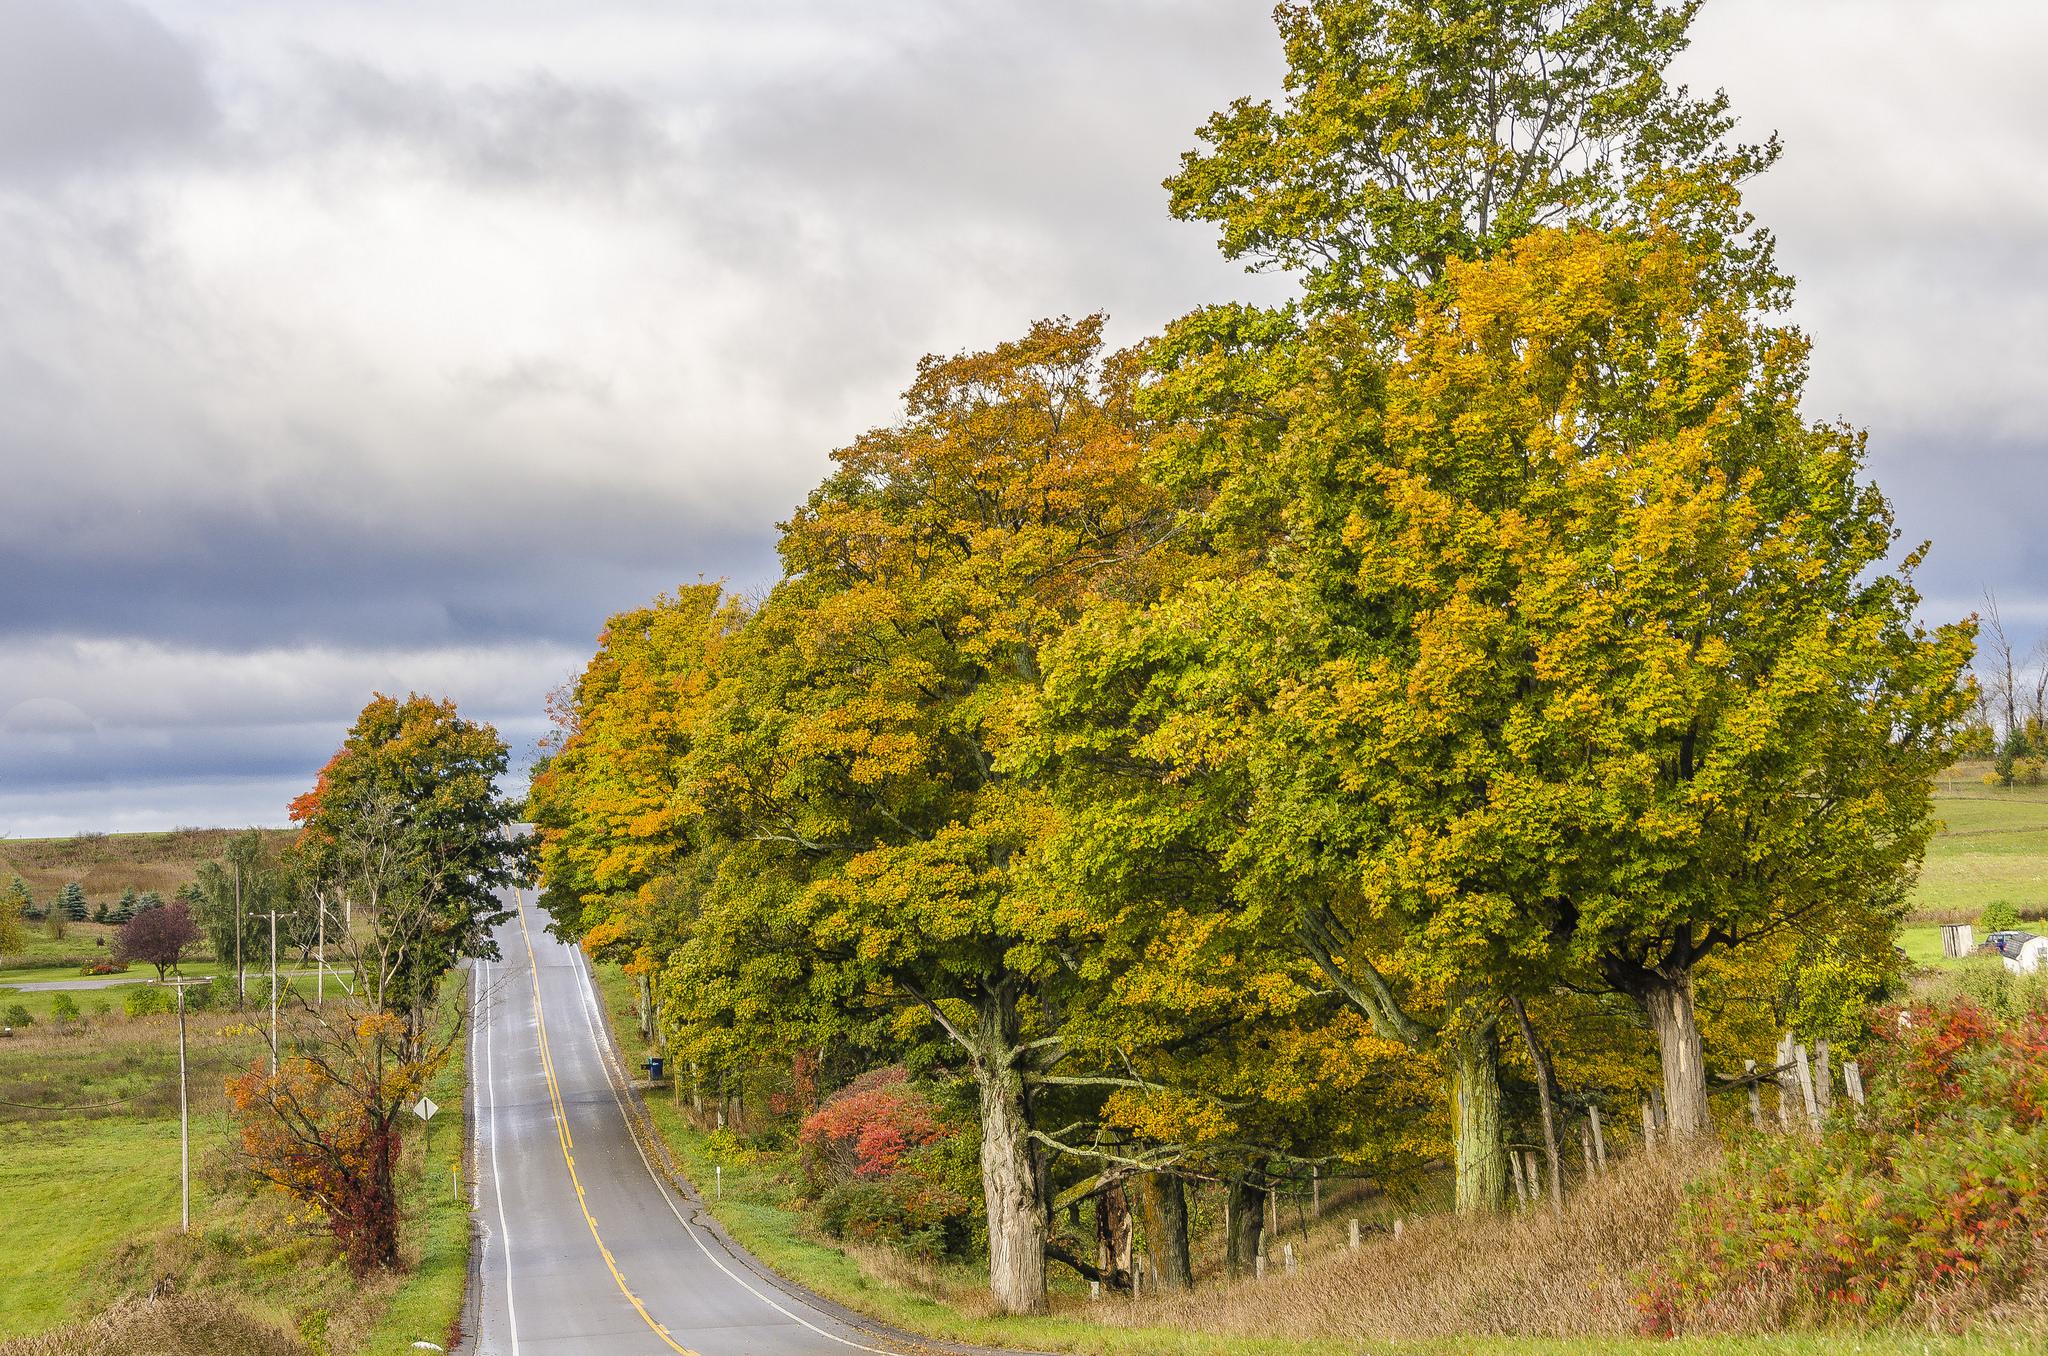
(347, 346)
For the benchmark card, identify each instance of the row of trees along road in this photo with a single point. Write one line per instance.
(405, 844)
(1218, 752)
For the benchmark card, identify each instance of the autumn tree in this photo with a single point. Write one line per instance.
(326, 1128)
(157, 936)
(610, 801)
(406, 826)
(1599, 660)
(854, 763)
(14, 906)
(1412, 134)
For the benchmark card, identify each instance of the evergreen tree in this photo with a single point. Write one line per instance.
(71, 900)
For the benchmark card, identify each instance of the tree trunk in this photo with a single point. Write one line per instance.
(1113, 1236)
(1247, 1221)
(1482, 1168)
(1667, 1001)
(1009, 1177)
(1546, 1083)
(1163, 1208)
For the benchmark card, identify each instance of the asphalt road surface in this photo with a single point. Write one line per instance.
(585, 1247)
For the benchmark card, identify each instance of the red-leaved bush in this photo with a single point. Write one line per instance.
(1934, 1206)
(883, 1164)
(866, 1128)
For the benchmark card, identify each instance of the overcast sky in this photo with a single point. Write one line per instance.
(388, 345)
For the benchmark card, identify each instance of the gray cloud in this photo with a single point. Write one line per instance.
(91, 83)
(379, 344)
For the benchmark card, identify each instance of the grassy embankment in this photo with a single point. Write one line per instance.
(90, 1185)
(106, 864)
(1489, 1278)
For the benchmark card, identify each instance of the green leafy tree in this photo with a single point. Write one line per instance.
(1412, 134)
(13, 922)
(234, 896)
(1998, 916)
(406, 827)
(1647, 691)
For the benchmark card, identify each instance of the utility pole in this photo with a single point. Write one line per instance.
(241, 985)
(272, 916)
(184, 1110)
(320, 954)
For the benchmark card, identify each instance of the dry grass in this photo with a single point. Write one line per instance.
(106, 864)
(187, 1323)
(1530, 1274)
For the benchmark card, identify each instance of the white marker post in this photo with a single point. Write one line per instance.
(184, 1109)
(425, 1108)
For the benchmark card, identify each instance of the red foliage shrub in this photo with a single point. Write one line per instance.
(866, 1128)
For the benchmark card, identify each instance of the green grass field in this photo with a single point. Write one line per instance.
(89, 1191)
(1992, 845)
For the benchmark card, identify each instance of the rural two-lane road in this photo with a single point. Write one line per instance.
(585, 1248)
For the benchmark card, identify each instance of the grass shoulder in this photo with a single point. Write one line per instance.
(757, 1201)
(91, 1113)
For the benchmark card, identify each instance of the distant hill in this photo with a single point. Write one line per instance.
(105, 864)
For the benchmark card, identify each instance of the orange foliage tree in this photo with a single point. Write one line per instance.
(326, 1127)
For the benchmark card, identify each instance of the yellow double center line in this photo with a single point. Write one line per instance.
(547, 1068)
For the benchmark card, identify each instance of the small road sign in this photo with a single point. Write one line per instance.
(425, 1108)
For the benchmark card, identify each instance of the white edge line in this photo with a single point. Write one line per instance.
(605, 1057)
(497, 1182)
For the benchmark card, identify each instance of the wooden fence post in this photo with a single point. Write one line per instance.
(1823, 1078)
(1397, 1228)
(1852, 1075)
(1315, 1186)
(1535, 1177)
(1788, 1082)
(1756, 1099)
(1586, 1146)
(1354, 1233)
(1515, 1174)
(1804, 1067)
(1599, 1140)
(1287, 1257)
(1649, 1125)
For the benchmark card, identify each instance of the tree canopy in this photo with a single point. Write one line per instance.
(1318, 738)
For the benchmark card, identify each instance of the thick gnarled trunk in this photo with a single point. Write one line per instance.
(1009, 1171)
(1247, 1222)
(1667, 1002)
(1482, 1170)
(1163, 1211)
(1113, 1236)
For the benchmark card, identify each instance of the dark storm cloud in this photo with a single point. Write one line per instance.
(89, 83)
(381, 345)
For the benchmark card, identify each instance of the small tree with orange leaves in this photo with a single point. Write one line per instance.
(326, 1127)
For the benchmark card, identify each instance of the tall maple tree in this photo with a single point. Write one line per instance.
(856, 767)
(406, 824)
